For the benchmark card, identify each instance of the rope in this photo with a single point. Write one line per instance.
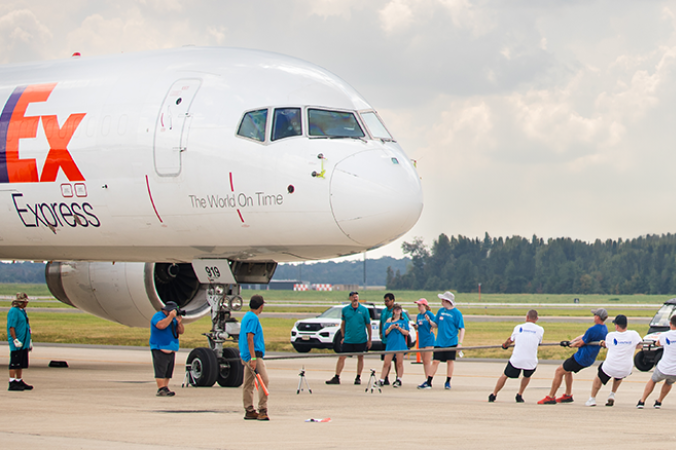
(391, 352)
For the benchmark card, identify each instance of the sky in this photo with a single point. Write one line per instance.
(553, 118)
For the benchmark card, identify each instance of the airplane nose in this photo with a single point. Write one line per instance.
(376, 196)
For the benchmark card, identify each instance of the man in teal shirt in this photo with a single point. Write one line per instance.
(252, 351)
(20, 342)
(355, 327)
(384, 316)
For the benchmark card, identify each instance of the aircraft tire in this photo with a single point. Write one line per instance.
(203, 366)
(231, 372)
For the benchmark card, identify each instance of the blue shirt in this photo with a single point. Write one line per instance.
(384, 315)
(449, 321)
(396, 341)
(356, 322)
(166, 339)
(586, 355)
(425, 335)
(18, 319)
(251, 324)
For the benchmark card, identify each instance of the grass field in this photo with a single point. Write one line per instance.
(84, 328)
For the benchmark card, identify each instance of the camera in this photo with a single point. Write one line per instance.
(180, 312)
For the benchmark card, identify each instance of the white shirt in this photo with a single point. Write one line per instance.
(621, 348)
(667, 365)
(526, 338)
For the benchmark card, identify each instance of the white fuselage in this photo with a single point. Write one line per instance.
(142, 157)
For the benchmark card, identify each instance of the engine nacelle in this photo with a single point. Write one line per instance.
(127, 293)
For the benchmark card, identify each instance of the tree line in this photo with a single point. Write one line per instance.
(644, 265)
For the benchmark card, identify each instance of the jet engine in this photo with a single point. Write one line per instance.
(128, 293)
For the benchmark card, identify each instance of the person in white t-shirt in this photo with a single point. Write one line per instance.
(526, 338)
(666, 367)
(621, 345)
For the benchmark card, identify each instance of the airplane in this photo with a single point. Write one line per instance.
(178, 175)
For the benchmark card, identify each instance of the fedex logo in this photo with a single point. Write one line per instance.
(15, 125)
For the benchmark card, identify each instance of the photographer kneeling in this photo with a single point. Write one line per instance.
(165, 327)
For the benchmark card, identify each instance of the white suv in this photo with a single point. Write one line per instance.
(323, 331)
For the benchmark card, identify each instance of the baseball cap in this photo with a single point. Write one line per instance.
(601, 312)
(620, 320)
(353, 293)
(170, 306)
(448, 296)
(422, 301)
(21, 297)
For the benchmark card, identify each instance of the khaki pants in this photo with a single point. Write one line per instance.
(248, 386)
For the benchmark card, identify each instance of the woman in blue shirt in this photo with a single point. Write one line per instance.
(424, 324)
(396, 330)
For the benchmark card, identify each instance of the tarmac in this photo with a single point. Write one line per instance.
(106, 399)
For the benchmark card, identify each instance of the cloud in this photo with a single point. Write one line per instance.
(22, 36)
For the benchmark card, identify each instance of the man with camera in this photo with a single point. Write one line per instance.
(252, 351)
(165, 328)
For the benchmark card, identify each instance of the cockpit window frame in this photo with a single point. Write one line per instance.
(266, 133)
(301, 114)
(364, 111)
(354, 113)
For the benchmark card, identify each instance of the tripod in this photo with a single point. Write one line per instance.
(188, 379)
(373, 383)
(302, 381)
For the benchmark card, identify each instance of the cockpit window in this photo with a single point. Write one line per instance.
(375, 126)
(286, 123)
(333, 124)
(253, 125)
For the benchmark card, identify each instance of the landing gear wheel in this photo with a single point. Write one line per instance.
(203, 367)
(643, 362)
(231, 372)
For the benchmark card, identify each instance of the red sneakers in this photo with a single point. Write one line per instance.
(547, 401)
(565, 398)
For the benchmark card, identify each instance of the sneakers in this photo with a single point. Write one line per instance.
(26, 387)
(397, 383)
(590, 402)
(447, 385)
(424, 385)
(334, 380)
(640, 405)
(491, 398)
(164, 392)
(519, 399)
(263, 415)
(251, 415)
(15, 386)
(380, 383)
(357, 380)
(386, 382)
(565, 398)
(547, 401)
(657, 405)
(611, 399)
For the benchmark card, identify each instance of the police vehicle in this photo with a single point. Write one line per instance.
(648, 357)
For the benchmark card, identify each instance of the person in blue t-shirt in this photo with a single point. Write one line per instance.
(450, 327)
(355, 327)
(424, 324)
(584, 357)
(385, 315)
(20, 342)
(396, 330)
(165, 328)
(252, 352)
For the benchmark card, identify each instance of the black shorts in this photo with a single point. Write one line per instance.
(163, 363)
(604, 377)
(18, 359)
(570, 365)
(353, 348)
(448, 355)
(513, 372)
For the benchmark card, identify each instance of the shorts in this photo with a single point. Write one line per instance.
(18, 359)
(604, 377)
(659, 376)
(163, 363)
(513, 372)
(353, 348)
(571, 365)
(448, 355)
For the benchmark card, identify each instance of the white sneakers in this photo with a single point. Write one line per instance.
(590, 402)
(611, 399)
